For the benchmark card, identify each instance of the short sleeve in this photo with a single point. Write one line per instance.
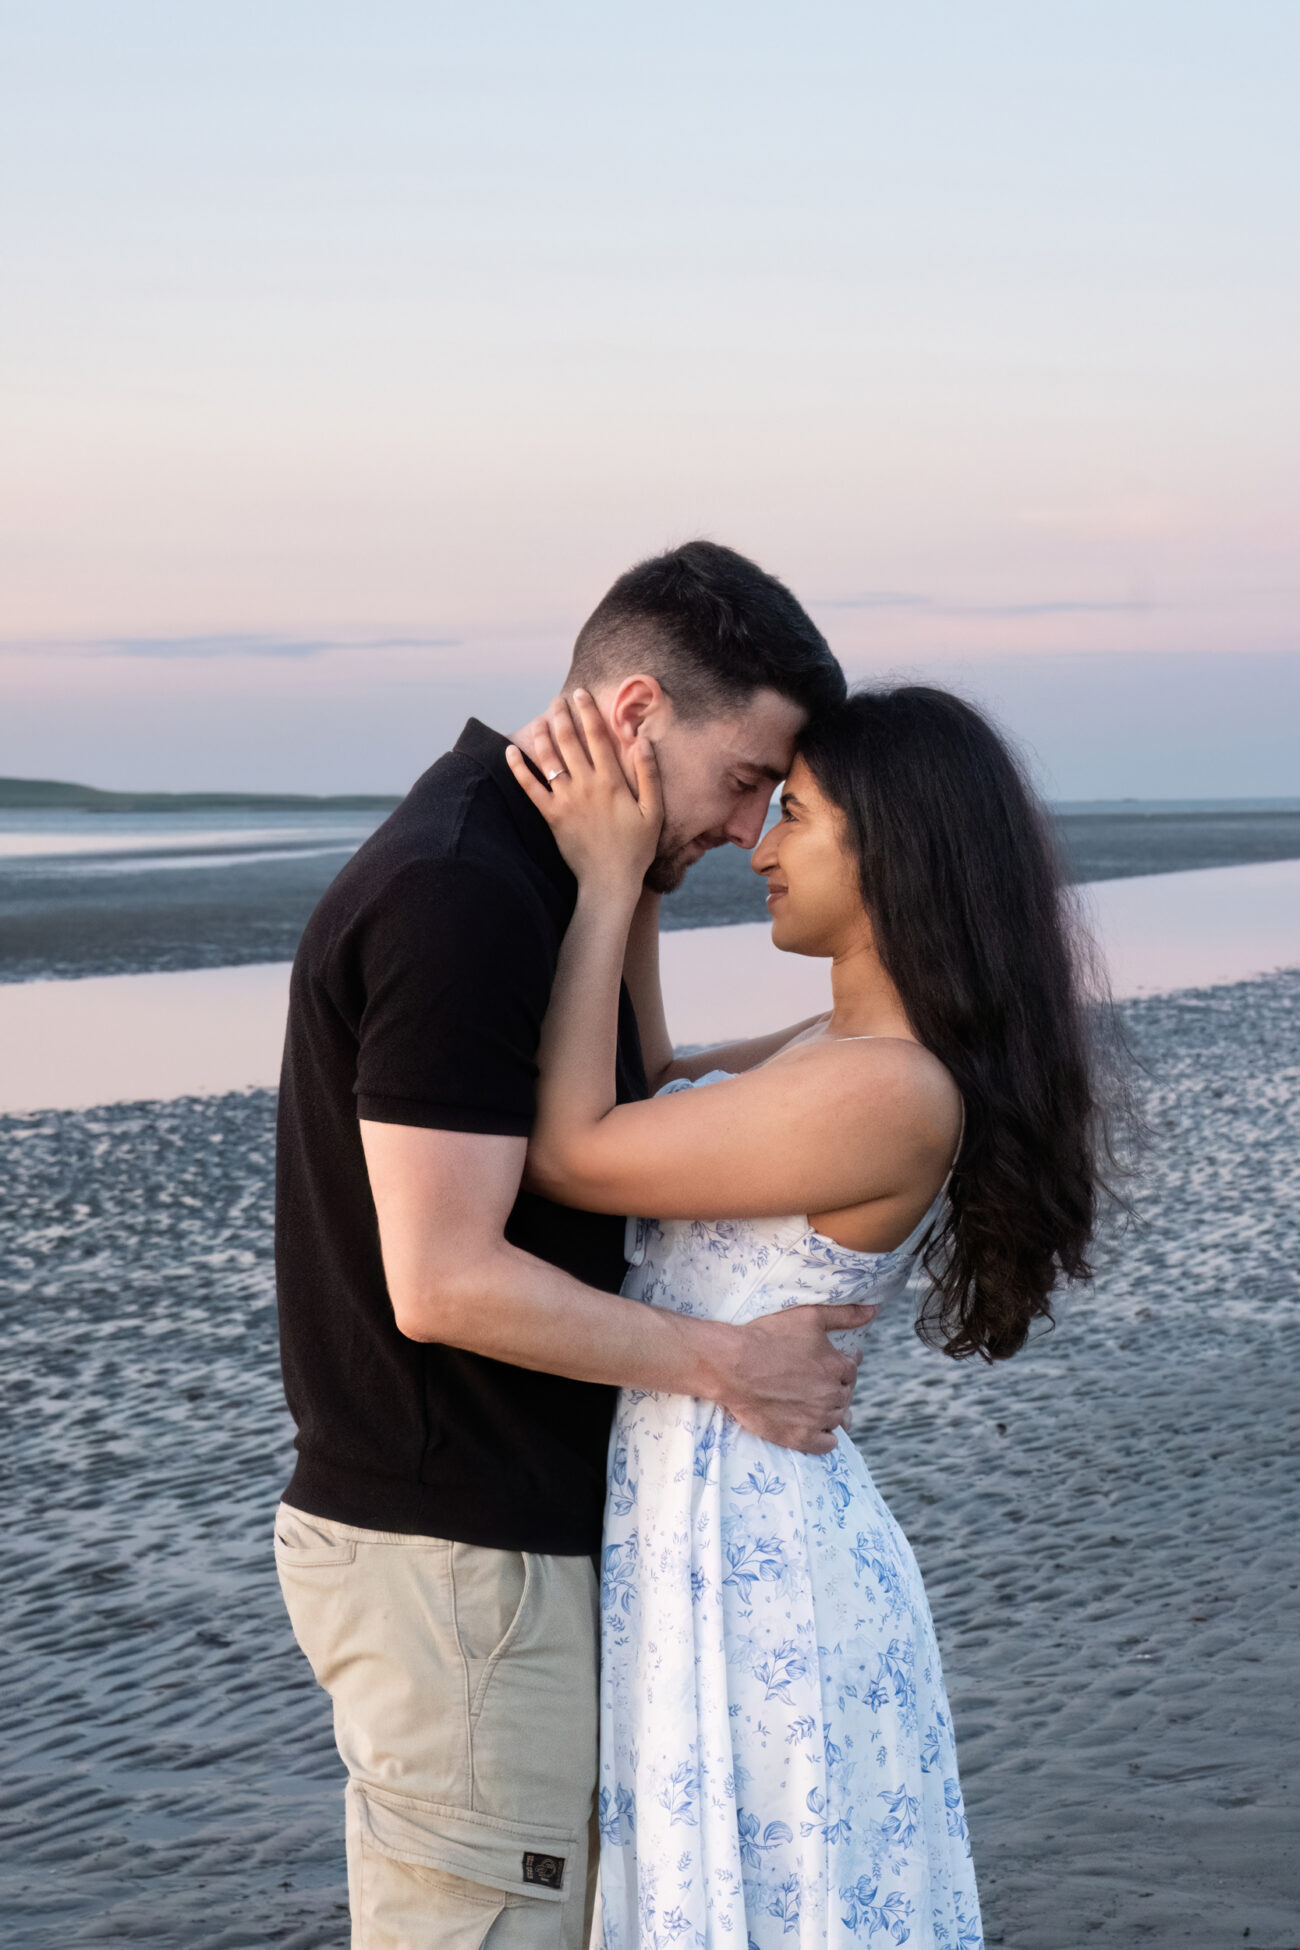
(455, 967)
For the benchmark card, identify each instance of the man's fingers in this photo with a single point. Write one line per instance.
(851, 1315)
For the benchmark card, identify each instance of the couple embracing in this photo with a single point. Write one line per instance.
(624, 1646)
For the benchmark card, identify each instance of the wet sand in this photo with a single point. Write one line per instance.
(1106, 1525)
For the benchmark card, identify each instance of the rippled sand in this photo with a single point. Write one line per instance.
(1106, 1524)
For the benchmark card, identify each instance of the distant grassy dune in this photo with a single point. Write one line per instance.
(56, 795)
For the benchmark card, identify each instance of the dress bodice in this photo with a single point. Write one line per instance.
(737, 1269)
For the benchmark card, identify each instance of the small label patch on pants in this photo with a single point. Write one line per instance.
(546, 1869)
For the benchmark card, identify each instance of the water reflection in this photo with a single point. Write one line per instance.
(126, 1037)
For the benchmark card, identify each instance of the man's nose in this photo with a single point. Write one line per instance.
(746, 828)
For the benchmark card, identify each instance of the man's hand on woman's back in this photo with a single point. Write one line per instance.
(789, 1383)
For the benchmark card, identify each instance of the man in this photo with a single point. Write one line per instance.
(451, 1341)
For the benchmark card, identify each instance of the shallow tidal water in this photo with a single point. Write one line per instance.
(1106, 1525)
(196, 902)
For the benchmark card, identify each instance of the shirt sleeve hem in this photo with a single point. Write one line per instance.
(442, 1117)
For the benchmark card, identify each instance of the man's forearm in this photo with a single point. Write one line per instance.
(516, 1308)
(443, 1200)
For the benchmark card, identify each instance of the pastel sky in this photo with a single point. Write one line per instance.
(349, 352)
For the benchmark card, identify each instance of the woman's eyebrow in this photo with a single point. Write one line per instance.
(791, 799)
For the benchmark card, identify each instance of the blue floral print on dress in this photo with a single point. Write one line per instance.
(772, 1700)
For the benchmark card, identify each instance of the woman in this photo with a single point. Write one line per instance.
(777, 1757)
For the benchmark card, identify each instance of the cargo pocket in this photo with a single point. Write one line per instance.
(407, 1908)
(519, 1863)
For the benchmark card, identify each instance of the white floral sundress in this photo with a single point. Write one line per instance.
(777, 1762)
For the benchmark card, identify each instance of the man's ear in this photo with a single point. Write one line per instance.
(637, 700)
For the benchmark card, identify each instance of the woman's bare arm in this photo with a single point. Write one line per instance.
(828, 1126)
(646, 991)
(739, 1057)
(641, 973)
(824, 1127)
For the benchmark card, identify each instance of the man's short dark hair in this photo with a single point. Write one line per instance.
(713, 628)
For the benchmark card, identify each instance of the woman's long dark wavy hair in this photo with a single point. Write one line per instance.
(975, 926)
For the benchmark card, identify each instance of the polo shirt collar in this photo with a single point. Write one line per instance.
(488, 749)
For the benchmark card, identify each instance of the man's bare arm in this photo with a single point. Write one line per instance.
(443, 1198)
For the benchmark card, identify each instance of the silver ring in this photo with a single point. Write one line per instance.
(558, 773)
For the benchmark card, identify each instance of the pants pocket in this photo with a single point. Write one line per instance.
(490, 1591)
(407, 1908)
(421, 1874)
(304, 1543)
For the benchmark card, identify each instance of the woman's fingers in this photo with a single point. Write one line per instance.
(563, 731)
(526, 777)
(546, 758)
(595, 731)
(586, 786)
(645, 767)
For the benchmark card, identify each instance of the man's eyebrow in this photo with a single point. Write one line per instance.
(772, 772)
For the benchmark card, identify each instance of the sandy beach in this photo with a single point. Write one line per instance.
(1106, 1525)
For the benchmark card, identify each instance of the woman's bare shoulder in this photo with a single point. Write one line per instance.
(890, 1078)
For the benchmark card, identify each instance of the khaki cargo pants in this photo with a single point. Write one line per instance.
(465, 1710)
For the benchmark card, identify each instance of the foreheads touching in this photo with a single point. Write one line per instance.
(712, 659)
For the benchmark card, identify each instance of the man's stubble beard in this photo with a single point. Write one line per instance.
(668, 870)
(666, 873)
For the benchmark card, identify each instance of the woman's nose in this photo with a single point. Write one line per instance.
(764, 856)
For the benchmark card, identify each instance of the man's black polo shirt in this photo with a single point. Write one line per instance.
(417, 998)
